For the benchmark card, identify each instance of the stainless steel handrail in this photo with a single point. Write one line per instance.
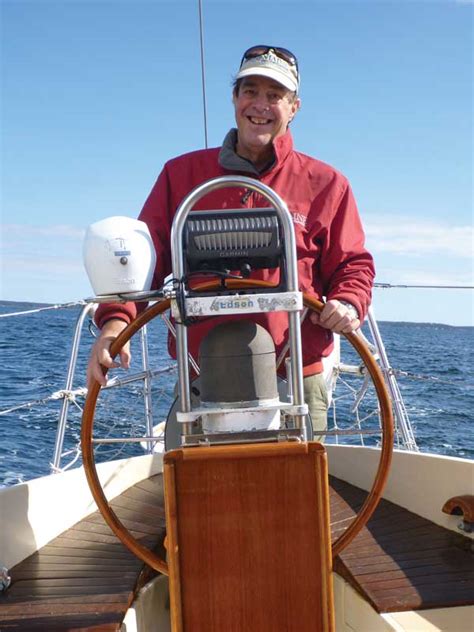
(147, 386)
(177, 262)
(58, 446)
(400, 411)
(146, 375)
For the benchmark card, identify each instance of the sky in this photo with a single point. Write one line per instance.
(97, 95)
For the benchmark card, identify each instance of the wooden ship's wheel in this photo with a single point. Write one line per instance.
(177, 458)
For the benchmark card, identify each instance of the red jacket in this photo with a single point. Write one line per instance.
(332, 260)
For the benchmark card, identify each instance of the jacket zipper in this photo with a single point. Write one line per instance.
(246, 196)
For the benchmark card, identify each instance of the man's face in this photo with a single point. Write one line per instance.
(263, 109)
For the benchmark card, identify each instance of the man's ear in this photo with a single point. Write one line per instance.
(235, 92)
(296, 107)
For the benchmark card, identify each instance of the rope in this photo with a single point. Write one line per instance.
(116, 381)
(77, 454)
(82, 391)
(71, 395)
(43, 309)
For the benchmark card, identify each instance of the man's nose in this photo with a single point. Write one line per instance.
(261, 102)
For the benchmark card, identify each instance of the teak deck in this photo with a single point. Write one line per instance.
(85, 579)
(401, 561)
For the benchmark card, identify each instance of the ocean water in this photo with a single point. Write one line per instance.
(34, 351)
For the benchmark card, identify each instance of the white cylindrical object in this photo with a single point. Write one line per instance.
(238, 421)
(119, 256)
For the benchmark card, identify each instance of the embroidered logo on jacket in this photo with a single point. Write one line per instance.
(300, 219)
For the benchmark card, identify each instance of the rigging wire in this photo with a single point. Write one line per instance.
(71, 395)
(43, 309)
(80, 392)
(389, 286)
(203, 75)
(384, 286)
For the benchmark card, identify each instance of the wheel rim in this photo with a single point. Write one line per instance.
(380, 479)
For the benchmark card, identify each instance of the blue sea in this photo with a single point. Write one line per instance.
(438, 391)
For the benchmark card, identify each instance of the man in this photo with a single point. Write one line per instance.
(332, 260)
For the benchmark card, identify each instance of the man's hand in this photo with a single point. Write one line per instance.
(100, 354)
(337, 317)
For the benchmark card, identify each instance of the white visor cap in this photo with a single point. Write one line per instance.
(271, 66)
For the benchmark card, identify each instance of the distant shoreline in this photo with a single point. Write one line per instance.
(23, 303)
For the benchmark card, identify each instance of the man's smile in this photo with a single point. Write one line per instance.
(256, 120)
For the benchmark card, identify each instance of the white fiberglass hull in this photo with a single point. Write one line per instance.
(34, 513)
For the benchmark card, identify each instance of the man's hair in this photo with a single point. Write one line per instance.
(236, 83)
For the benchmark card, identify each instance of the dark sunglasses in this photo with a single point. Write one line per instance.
(282, 53)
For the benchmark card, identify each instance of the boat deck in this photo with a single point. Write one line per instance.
(401, 561)
(85, 579)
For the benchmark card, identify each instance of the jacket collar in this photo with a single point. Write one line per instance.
(231, 161)
(283, 146)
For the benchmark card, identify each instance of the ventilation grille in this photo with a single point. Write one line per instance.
(232, 233)
(226, 240)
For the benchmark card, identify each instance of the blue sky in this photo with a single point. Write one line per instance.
(96, 96)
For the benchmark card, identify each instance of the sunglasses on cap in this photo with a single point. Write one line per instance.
(282, 53)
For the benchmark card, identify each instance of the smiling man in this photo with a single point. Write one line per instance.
(332, 261)
(263, 110)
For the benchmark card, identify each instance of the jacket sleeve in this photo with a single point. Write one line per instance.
(347, 268)
(156, 214)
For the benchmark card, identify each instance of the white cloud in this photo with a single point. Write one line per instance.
(26, 231)
(405, 236)
(54, 266)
